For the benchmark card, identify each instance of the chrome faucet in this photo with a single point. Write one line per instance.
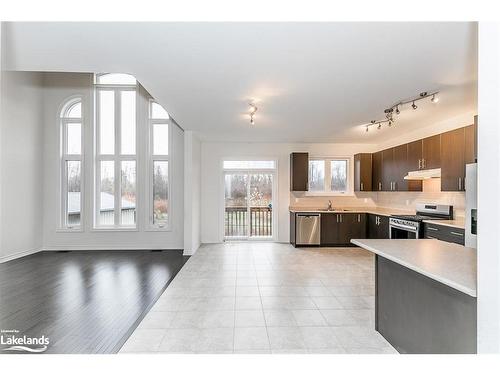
(330, 205)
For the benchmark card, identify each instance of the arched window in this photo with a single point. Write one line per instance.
(159, 130)
(71, 121)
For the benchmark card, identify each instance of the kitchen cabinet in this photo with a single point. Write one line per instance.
(292, 228)
(431, 152)
(471, 142)
(363, 172)
(453, 160)
(352, 225)
(400, 168)
(378, 226)
(415, 155)
(388, 169)
(337, 229)
(377, 171)
(444, 233)
(330, 229)
(299, 171)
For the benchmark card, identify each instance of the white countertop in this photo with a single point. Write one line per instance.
(355, 210)
(451, 264)
(457, 223)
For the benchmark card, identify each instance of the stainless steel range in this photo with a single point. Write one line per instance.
(411, 226)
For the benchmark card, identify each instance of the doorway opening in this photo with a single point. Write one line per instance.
(248, 199)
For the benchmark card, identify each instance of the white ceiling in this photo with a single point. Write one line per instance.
(312, 82)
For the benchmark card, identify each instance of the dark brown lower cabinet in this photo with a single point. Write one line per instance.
(352, 226)
(378, 226)
(329, 229)
(444, 233)
(337, 229)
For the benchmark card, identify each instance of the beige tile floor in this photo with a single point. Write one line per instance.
(261, 297)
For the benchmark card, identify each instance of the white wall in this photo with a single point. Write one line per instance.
(57, 88)
(212, 154)
(192, 193)
(488, 239)
(21, 164)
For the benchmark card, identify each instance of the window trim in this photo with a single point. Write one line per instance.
(151, 227)
(327, 183)
(116, 157)
(64, 157)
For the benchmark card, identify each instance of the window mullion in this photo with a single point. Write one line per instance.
(328, 175)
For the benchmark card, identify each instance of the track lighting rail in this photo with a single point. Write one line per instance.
(396, 109)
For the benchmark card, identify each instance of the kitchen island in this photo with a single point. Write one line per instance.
(425, 297)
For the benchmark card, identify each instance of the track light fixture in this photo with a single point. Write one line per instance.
(251, 113)
(390, 119)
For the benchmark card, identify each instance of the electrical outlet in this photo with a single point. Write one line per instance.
(407, 202)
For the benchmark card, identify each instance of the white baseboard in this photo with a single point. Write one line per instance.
(189, 252)
(24, 253)
(19, 254)
(106, 247)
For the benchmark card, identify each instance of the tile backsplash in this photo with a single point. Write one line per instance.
(398, 200)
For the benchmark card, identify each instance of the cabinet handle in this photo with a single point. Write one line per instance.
(431, 228)
(460, 183)
(423, 163)
(341, 218)
(337, 216)
(361, 186)
(457, 234)
(359, 218)
(419, 163)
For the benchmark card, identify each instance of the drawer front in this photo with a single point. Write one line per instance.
(444, 233)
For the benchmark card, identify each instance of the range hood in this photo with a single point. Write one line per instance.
(423, 174)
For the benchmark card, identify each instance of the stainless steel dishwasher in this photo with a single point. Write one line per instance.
(308, 229)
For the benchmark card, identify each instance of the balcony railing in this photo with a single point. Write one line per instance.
(237, 222)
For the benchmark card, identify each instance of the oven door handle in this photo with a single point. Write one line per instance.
(405, 227)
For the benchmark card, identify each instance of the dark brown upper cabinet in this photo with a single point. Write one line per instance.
(388, 169)
(400, 168)
(363, 172)
(377, 171)
(431, 152)
(415, 155)
(453, 160)
(299, 171)
(471, 142)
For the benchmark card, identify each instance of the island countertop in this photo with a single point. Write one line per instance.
(451, 264)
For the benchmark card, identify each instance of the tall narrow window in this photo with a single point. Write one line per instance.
(71, 164)
(159, 129)
(116, 157)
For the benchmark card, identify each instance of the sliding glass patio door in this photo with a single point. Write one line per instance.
(248, 202)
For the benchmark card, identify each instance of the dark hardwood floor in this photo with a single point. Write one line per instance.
(83, 301)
